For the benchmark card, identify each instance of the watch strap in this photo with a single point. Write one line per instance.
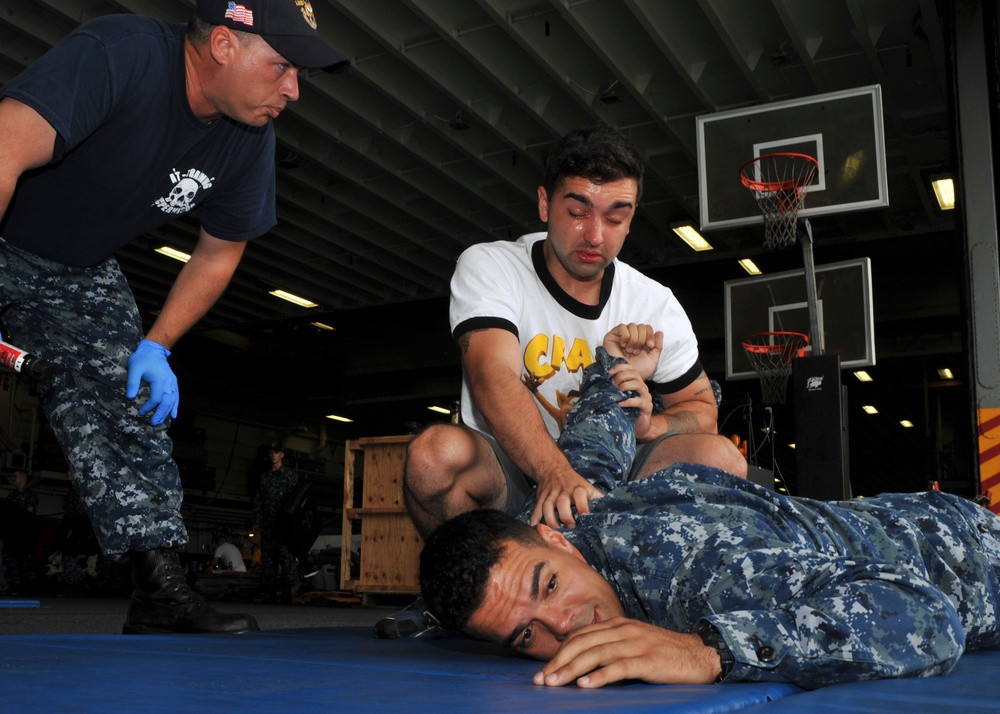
(711, 636)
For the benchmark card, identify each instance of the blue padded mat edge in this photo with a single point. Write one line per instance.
(18, 603)
(347, 669)
(326, 669)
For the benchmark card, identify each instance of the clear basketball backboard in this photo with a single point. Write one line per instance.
(842, 130)
(777, 303)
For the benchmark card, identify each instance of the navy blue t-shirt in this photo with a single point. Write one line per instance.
(130, 154)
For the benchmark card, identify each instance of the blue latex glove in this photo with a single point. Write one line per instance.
(149, 364)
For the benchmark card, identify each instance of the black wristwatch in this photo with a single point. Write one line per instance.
(711, 636)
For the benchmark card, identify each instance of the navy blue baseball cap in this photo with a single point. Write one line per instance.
(288, 26)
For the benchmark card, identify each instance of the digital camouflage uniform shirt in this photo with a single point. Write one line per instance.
(274, 487)
(26, 499)
(271, 494)
(803, 591)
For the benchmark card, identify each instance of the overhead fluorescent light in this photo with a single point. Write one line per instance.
(300, 301)
(173, 253)
(322, 326)
(339, 418)
(440, 410)
(863, 376)
(906, 423)
(692, 237)
(944, 191)
(749, 266)
(869, 409)
(945, 373)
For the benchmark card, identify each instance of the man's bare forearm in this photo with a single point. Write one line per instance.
(512, 415)
(197, 287)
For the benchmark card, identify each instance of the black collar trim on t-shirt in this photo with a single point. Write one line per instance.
(566, 301)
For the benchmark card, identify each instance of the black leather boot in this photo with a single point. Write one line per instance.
(163, 602)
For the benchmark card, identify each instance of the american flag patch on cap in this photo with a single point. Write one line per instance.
(239, 13)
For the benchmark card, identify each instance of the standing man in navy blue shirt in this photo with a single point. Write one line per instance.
(126, 124)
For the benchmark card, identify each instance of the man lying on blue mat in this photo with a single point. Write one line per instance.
(693, 576)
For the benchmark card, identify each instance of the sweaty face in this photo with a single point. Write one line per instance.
(587, 225)
(537, 595)
(259, 82)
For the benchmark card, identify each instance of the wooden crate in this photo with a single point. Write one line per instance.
(390, 544)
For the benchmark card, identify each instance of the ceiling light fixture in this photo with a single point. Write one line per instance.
(300, 301)
(323, 326)
(749, 266)
(440, 410)
(692, 237)
(945, 373)
(173, 253)
(869, 409)
(944, 191)
(907, 424)
(339, 418)
(863, 376)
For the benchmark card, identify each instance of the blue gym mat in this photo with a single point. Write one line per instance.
(346, 669)
(18, 603)
(316, 670)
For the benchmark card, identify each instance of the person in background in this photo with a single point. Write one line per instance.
(227, 554)
(275, 485)
(19, 532)
(125, 125)
(23, 495)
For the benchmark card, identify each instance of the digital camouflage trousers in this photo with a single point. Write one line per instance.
(86, 321)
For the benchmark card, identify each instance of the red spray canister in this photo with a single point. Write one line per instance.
(24, 362)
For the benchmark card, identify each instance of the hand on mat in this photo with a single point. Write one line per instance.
(626, 377)
(558, 493)
(149, 364)
(639, 344)
(620, 649)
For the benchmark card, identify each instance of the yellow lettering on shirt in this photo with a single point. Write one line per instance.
(542, 362)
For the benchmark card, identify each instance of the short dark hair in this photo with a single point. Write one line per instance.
(457, 558)
(198, 31)
(597, 153)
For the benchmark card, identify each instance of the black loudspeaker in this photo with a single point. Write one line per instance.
(760, 476)
(821, 451)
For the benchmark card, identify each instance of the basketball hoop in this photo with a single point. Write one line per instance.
(777, 181)
(771, 355)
